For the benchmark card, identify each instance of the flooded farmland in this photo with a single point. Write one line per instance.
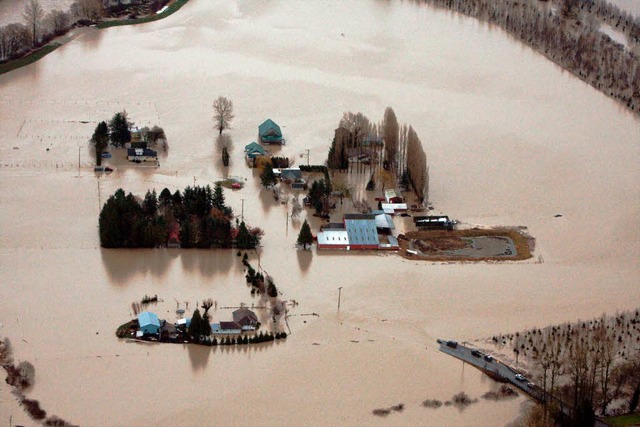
(511, 139)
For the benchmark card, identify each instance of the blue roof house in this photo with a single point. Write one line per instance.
(149, 323)
(269, 133)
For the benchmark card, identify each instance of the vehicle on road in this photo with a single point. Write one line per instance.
(452, 344)
(530, 384)
(476, 353)
(488, 358)
(520, 377)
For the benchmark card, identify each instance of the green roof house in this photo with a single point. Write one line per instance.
(269, 133)
(254, 150)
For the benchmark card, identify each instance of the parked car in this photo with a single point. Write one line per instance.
(108, 169)
(236, 186)
(105, 155)
(520, 377)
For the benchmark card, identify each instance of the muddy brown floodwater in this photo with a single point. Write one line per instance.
(512, 140)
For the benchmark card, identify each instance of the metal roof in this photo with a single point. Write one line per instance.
(361, 231)
(147, 318)
(333, 236)
(385, 221)
(268, 125)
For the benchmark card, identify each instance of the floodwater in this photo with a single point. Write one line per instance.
(512, 140)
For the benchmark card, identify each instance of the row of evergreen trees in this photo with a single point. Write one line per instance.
(198, 215)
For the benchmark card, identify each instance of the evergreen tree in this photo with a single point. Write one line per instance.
(218, 197)
(100, 139)
(150, 204)
(305, 237)
(119, 128)
(245, 240)
(267, 177)
(165, 198)
(195, 328)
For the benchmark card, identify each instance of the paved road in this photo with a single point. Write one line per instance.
(500, 371)
(491, 366)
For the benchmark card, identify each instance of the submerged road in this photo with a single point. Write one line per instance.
(501, 372)
(492, 367)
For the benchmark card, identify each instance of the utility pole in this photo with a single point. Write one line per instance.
(339, 295)
(308, 156)
(287, 228)
(242, 211)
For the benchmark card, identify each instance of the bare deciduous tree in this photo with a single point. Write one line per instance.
(356, 123)
(14, 40)
(89, 9)
(222, 113)
(296, 207)
(417, 165)
(33, 15)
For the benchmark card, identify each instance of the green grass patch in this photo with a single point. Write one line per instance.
(29, 58)
(174, 7)
(127, 330)
(624, 420)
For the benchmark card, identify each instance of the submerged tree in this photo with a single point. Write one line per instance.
(305, 238)
(222, 113)
(119, 129)
(390, 135)
(100, 139)
(267, 176)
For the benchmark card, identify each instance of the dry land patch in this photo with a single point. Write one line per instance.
(491, 244)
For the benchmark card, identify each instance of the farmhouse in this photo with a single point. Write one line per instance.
(226, 328)
(148, 323)
(246, 318)
(269, 133)
(141, 155)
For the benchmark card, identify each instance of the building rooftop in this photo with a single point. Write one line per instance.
(147, 318)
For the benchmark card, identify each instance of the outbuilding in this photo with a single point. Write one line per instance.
(435, 222)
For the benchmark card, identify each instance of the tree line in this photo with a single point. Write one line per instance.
(568, 39)
(359, 145)
(197, 217)
(589, 364)
(39, 27)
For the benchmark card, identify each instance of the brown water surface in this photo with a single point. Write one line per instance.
(512, 140)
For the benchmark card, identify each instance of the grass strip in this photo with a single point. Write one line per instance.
(29, 59)
(624, 420)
